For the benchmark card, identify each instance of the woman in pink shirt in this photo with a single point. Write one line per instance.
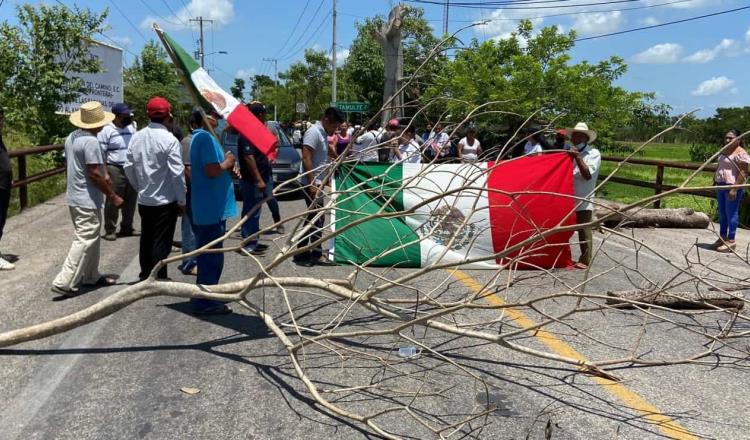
(732, 170)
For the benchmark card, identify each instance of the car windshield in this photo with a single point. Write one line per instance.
(280, 135)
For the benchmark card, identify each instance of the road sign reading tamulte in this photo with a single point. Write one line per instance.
(352, 107)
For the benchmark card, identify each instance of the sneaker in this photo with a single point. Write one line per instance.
(110, 237)
(6, 265)
(280, 229)
(128, 233)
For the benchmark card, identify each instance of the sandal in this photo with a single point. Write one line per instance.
(66, 293)
(103, 281)
(580, 265)
(726, 248)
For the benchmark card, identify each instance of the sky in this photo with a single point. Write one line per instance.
(697, 64)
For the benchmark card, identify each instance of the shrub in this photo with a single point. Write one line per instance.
(701, 152)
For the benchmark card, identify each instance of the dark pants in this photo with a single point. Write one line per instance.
(585, 236)
(729, 212)
(121, 186)
(273, 204)
(251, 197)
(210, 266)
(316, 231)
(157, 231)
(4, 205)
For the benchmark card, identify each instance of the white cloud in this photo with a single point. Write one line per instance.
(246, 73)
(665, 53)
(220, 11)
(341, 55)
(650, 21)
(727, 47)
(713, 86)
(502, 22)
(747, 36)
(122, 41)
(598, 22)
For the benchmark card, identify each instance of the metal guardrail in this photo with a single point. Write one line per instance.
(24, 180)
(658, 185)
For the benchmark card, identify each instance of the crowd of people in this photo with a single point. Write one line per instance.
(114, 168)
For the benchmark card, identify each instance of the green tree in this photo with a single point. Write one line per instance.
(261, 84)
(528, 72)
(363, 73)
(152, 74)
(36, 59)
(238, 89)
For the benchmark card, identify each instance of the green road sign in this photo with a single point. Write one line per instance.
(352, 107)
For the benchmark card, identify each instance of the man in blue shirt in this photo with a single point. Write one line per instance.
(212, 203)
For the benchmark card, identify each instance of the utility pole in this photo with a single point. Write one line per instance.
(446, 11)
(275, 62)
(201, 55)
(333, 59)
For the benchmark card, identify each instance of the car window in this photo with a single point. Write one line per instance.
(280, 135)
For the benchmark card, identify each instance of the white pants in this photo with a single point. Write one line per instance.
(82, 263)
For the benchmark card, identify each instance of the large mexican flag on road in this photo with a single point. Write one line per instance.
(236, 114)
(455, 213)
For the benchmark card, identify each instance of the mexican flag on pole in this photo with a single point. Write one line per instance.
(236, 114)
(455, 212)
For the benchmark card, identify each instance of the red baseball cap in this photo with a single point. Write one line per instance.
(158, 107)
(393, 123)
(561, 132)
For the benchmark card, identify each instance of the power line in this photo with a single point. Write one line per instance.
(302, 35)
(294, 28)
(126, 19)
(664, 24)
(314, 34)
(563, 14)
(153, 11)
(483, 6)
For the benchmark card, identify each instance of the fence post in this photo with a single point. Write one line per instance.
(23, 191)
(659, 182)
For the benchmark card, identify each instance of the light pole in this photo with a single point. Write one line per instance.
(220, 52)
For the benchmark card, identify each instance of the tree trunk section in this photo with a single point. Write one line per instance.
(677, 300)
(651, 218)
(389, 36)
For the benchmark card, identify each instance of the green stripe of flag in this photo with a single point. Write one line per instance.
(187, 63)
(364, 190)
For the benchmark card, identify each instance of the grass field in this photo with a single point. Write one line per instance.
(672, 152)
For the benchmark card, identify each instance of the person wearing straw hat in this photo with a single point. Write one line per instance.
(587, 161)
(87, 185)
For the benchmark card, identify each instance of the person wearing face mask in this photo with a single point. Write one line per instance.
(114, 139)
(587, 161)
(155, 168)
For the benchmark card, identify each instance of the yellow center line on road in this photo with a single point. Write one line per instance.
(631, 399)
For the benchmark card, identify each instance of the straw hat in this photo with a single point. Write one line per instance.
(582, 127)
(91, 115)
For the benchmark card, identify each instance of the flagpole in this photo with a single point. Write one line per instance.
(188, 84)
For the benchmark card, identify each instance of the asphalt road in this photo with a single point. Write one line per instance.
(121, 377)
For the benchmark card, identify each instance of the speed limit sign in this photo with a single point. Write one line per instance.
(301, 107)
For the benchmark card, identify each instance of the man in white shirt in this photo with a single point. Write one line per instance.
(365, 148)
(155, 168)
(114, 139)
(439, 142)
(587, 161)
(315, 178)
(87, 185)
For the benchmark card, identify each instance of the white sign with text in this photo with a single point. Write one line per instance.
(105, 86)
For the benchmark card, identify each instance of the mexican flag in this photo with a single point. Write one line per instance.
(236, 114)
(455, 212)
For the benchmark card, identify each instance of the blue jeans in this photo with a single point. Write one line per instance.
(729, 212)
(210, 266)
(188, 240)
(251, 197)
